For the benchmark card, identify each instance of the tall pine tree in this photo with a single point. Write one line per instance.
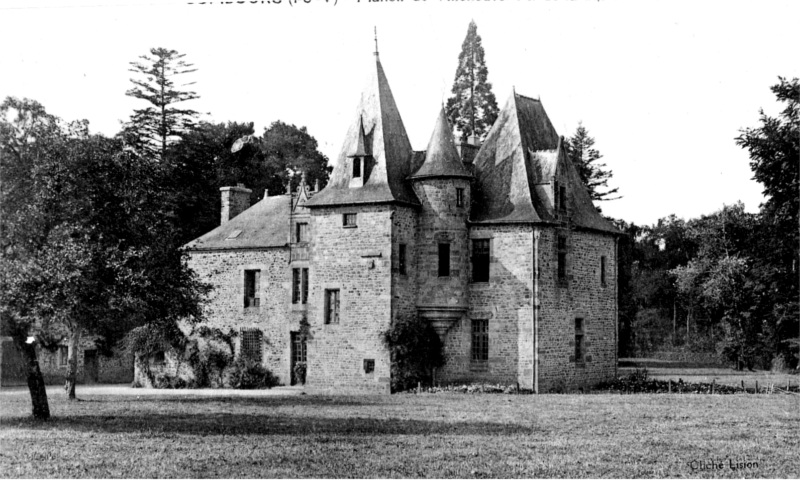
(151, 129)
(472, 108)
(585, 158)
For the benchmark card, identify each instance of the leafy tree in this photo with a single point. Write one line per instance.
(89, 248)
(774, 149)
(585, 157)
(151, 129)
(216, 155)
(472, 108)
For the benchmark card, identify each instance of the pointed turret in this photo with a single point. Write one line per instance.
(519, 167)
(377, 126)
(441, 157)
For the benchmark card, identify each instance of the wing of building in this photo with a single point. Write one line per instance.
(497, 245)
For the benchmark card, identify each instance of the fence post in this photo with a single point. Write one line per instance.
(744, 390)
(713, 383)
(419, 387)
(670, 385)
(756, 386)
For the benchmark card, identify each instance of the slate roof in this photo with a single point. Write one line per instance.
(265, 224)
(386, 141)
(441, 157)
(515, 165)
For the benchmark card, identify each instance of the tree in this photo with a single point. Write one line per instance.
(89, 247)
(585, 158)
(151, 129)
(212, 156)
(472, 108)
(774, 149)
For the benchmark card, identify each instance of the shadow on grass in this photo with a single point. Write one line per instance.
(208, 424)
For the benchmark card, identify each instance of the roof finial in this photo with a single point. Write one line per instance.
(376, 42)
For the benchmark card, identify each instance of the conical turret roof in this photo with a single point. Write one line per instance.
(519, 159)
(377, 123)
(441, 157)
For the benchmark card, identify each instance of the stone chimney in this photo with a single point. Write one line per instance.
(235, 200)
(467, 150)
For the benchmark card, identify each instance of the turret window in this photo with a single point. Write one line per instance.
(444, 259)
(356, 167)
(459, 197)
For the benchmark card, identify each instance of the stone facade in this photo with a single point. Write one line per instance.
(398, 233)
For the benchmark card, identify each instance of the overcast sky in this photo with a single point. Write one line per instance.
(663, 87)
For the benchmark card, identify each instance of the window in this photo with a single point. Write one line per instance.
(356, 167)
(301, 232)
(63, 355)
(603, 270)
(251, 345)
(331, 306)
(562, 198)
(555, 195)
(579, 340)
(300, 285)
(401, 259)
(158, 359)
(349, 220)
(562, 258)
(369, 365)
(459, 197)
(444, 259)
(480, 340)
(252, 278)
(480, 260)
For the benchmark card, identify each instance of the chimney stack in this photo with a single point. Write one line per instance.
(235, 200)
(467, 150)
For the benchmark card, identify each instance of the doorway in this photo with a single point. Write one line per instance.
(90, 370)
(298, 359)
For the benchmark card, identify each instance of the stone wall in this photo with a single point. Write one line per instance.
(358, 262)
(505, 301)
(583, 296)
(226, 311)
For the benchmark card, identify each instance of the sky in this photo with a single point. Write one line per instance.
(663, 87)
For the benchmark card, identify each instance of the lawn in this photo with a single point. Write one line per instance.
(406, 435)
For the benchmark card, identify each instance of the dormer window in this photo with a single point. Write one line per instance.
(562, 197)
(555, 195)
(356, 167)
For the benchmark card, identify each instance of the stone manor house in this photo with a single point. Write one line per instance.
(497, 245)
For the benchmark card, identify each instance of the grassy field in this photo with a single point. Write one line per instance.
(446, 435)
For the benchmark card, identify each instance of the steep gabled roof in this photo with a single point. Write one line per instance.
(386, 142)
(516, 165)
(265, 224)
(441, 157)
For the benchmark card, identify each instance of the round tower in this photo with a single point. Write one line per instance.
(442, 185)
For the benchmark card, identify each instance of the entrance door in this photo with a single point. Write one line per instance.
(298, 364)
(90, 370)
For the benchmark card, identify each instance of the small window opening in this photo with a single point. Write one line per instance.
(480, 340)
(562, 258)
(480, 260)
(579, 348)
(459, 197)
(603, 270)
(252, 279)
(562, 198)
(63, 355)
(251, 344)
(401, 259)
(349, 220)
(356, 167)
(369, 365)
(332, 306)
(444, 259)
(301, 232)
(300, 285)
(158, 358)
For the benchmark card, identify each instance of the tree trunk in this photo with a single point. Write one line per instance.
(72, 363)
(41, 409)
(674, 323)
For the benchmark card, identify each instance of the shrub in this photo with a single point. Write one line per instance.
(415, 351)
(248, 375)
(300, 373)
